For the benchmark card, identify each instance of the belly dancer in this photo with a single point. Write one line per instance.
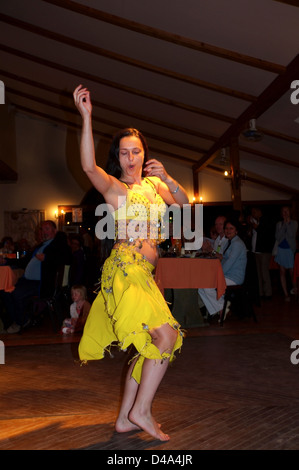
(130, 309)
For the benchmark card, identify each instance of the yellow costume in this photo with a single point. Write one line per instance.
(129, 303)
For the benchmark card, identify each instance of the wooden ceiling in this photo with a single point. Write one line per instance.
(191, 75)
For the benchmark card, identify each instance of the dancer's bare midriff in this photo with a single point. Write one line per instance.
(146, 248)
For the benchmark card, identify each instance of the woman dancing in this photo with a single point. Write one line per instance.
(130, 308)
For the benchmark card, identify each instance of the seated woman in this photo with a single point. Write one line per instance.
(130, 308)
(233, 261)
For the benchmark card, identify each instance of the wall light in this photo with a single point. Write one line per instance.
(56, 213)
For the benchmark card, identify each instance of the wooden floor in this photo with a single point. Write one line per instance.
(230, 388)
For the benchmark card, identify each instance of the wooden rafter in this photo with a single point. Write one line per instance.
(7, 174)
(99, 51)
(169, 37)
(181, 129)
(143, 117)
(268, 97)
(127, 113)
(258, 179)
(279, 135)
(102, 120)
(269, 156)
(115, 85)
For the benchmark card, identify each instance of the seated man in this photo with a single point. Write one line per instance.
(233, 261)
(218, 245)
(40, 273)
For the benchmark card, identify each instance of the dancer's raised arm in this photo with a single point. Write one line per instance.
(104, 183)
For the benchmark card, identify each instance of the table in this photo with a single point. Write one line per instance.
(184, 276)
(190, 273)
(9, 277)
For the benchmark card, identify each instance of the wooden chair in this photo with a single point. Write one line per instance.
(243, 297)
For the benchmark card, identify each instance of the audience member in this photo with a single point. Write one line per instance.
(7, 245)
(40, 274)
(217, 246)
(262, 240)
(234, 260)
(22, 254)
(285, 244)
(79, 311)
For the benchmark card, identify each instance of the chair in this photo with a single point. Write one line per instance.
(243, 297)
(57, 304)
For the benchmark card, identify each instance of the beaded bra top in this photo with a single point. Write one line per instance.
(139, 219)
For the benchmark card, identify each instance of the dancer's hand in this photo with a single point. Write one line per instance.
(82, 101)
(155, 168)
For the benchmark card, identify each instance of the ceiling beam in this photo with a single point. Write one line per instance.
(268, 97)
(279, 135)
(7, 174)
(113, 124)
(168, 37)
(294, 3)
(99, 51)
(268, 156)
(115, 109)
(102, 81)
(142, 117)
(257, 179)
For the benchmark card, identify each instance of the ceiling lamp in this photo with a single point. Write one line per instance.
(223, 157)
(252, 134)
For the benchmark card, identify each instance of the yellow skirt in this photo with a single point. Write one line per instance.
(127, 307)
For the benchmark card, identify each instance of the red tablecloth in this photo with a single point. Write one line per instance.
(190, 273)
(9, 277)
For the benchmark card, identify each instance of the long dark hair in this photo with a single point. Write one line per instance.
(113, 166)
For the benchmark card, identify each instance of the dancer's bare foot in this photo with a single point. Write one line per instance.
(149, 425)
(125, 425)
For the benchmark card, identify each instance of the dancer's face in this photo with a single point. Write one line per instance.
(131, 156)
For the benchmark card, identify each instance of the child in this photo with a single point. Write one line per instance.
(79, 311)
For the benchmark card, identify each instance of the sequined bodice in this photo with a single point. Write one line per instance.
(139, 219)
